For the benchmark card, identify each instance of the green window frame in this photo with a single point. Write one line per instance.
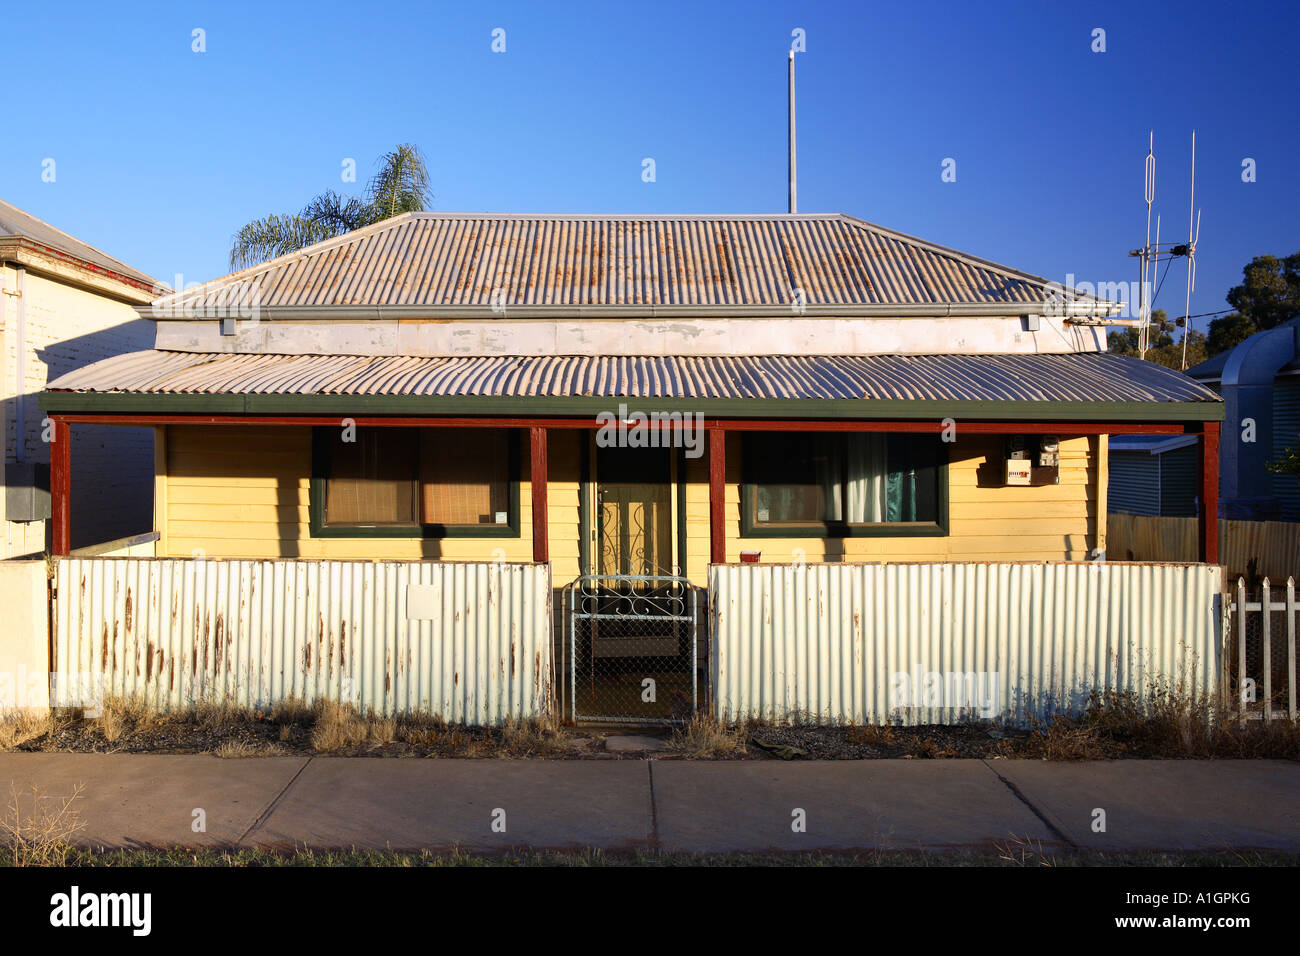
(765, 460)
(326, 440)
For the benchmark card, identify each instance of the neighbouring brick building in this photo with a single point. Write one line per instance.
(64, 304)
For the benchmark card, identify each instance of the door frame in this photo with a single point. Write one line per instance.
(588, 485)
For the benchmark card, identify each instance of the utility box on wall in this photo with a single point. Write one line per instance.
(1032, 460)
(27, 491)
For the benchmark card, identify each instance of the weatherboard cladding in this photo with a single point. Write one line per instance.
(468, 260)
(1079, 377)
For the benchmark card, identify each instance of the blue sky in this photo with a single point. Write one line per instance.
(162, 153)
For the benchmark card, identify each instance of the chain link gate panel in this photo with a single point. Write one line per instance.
(632, 649)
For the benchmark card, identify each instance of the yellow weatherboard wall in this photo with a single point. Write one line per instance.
(244, 492)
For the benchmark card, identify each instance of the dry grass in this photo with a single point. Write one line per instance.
(1164, 722)
(219, 717)
(871, 735)
(43, 835)
(530, 738)
(122, 716)
(704, 736)
(292, 710)
(1023, 851)
(338, 727)
(431, 732)
(238, 749)
(586, 857)
(341, 727)
(1160, 722)
(17, 727)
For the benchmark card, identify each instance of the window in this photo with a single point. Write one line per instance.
(416, 482)
(840, 484)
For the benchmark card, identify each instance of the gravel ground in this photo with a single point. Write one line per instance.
(263, 735)
(867, 743)
(258, 737)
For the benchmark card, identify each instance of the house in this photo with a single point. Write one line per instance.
(1259, 380)
(1154, 479)
(623, 399)
(63, 305)
(1154, 475)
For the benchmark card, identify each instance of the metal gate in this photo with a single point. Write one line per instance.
(632, 649)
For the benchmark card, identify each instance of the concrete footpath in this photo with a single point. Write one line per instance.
(670, 805)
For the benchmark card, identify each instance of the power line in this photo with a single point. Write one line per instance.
(1160, 284)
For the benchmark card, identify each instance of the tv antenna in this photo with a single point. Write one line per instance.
(1193, 235)
(1152, 254)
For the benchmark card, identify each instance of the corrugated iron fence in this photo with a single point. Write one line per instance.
(934, 643)
(471, 642)
(1274, 546)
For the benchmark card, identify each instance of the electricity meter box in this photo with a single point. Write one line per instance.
(1019, 471)
(1049, 451)
(1032, 460)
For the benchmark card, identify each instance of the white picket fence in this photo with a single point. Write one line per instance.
(1255, 691)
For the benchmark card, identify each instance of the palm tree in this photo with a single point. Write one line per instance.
(401, 185)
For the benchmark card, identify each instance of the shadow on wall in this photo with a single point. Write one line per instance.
(112, 466)
(286, 501)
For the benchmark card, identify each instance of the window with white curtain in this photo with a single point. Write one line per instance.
(841, 483)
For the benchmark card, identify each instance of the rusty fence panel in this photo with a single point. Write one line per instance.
(941, 643)
(470, 642)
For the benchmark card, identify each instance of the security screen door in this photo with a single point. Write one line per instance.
(634, 519)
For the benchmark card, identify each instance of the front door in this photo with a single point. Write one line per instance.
(631, 624)
(634, 511)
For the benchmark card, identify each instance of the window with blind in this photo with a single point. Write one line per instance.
(842, 484)
(416, 482)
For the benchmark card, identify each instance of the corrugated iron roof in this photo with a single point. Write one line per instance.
(15, 222)
(478, 260)
(1078, 377)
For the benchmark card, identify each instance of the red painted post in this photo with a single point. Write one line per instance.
(61, 488)
(537, 481)
(1209, 512)
(717, 494)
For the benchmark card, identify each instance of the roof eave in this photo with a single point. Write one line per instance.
(894, 409)
(42, 258)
